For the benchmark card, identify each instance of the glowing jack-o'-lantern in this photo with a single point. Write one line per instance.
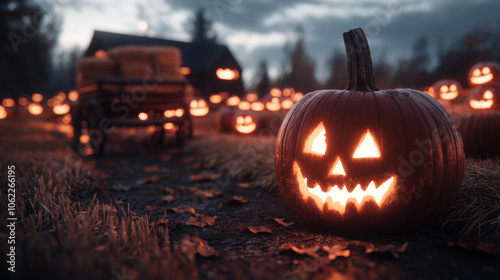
(227, 74)
(244, 105)
(484, 73)
(447, 89)
(35, 109)
(198, 107)
(365, 159)
(287, 104)
(273, 105)
(233, 101)
(215, 98)
(61, 109)
(73, 95)
(8, 102)
(485, 97)
(245, 124)
(257, 106)
(3, 112)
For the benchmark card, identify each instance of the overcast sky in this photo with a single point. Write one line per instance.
(258, 29)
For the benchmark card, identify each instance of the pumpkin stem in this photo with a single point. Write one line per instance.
(359, 61)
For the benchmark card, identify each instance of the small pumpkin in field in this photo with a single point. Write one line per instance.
(447, 89)
(245, 122)
(198, 107)
(481, 134)
(485, 97)
(484, 73)
(365, 159)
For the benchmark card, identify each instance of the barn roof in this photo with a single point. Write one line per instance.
(199, 56)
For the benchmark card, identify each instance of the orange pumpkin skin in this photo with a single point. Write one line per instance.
(418, 144)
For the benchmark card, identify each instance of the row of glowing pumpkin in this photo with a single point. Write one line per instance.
(484, 78)
(58, 103)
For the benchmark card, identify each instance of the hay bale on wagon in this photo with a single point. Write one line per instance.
(165, 56)
(90, 69)
(132, 61)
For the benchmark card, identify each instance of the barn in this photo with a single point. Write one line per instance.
(210, 67)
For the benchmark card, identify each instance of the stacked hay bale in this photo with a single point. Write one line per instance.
(90, 69)
(132, 62)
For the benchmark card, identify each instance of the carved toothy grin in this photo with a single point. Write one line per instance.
(481, 104)
(481, 79)
(449, 95)
(337, 198)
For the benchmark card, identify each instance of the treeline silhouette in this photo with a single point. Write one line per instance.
(480, 43)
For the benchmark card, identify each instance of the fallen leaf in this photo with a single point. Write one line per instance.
(280, 221)
(243, 185)
(188, 188)
(392, 249)
(489, 248)
(258, 229)
(238, 199)
(184, 209)
(154, 168)
(204, 193)
(190, 246)
(153, 179)
(152, 208)
(170, 198)
(337, 251)
(311, 251)
(204, 177)
(188, 160)
(168, 190)
(201, 220)
(120, 188)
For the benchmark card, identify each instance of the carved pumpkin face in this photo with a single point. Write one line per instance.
(484, 73)
(336, 188)
(198, 107)
(245, 124)
(365, 159)
(485, 97)
(447, 89)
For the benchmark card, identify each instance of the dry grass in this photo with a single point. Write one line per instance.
(473, 217)
(59, 238)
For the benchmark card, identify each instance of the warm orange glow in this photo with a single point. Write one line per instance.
(227, 74)
(3, 113)
(179, 112)
(316, 141)
(480, 104)
(61, 109)
(84, 138)
(245, 124)
(448, 93)
(244, 105)
(275, 92)
(430, 91)
(488, 94)
(233, 101)
(198, 108)
(168, 126)
(367, 148)
(252, 97)
(273, 105)
(338, 169)
(37, 97)
(297, 96)
(23, 101)
(287, 104)
(51, 102)
(215, 98)
(73, 95)
(185, 71)
(100, 54)
(257, 106)
(66, 119)
(336, 198)
(8, 102)
(480, 77)
(143, 116)
(169, 113)
(35, 109)
(288, 92)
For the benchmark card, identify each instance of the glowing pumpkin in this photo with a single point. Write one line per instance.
(198, 107)
(8, 102)
(484, 73)
(3, 112)
(227, 74)
(73, 95)
(273, 105)
(368, 160)
(257, 106)
(447, 89)
(35, 109)
(61, 109)
(215, 98)
(485, 97)
(245, 123)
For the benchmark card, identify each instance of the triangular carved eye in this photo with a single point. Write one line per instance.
(338, 169)
(368, 148)
(316, 141)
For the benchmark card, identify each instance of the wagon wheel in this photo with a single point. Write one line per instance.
(159, 135)
(76, 121)
(185, 131)
(96, 132)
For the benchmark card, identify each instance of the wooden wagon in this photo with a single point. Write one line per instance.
(133, 86)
